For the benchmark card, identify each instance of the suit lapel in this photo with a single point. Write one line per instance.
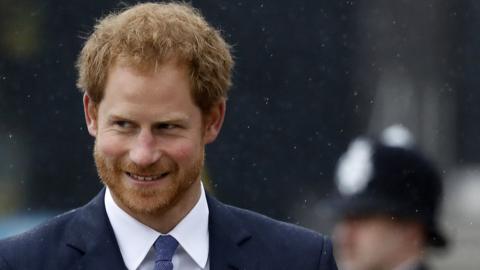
(91, 234)
(228, 239)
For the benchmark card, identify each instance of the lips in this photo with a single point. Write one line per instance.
(146, 178)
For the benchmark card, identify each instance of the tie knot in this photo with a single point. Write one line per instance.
(165, 247)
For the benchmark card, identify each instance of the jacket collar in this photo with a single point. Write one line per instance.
(228, 239)
(91, 234)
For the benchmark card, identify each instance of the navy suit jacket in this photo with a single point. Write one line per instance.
(239, 239)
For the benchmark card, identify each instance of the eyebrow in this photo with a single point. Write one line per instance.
(174, 117)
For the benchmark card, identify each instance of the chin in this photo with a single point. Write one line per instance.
(149, 201)
(144, 200)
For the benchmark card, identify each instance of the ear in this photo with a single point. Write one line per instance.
(213, 121)
(90, 111)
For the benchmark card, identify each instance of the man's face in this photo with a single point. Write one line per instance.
(150, 137)
(370, 243)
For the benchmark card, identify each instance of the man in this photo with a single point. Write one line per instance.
(155, 80)
(389, 198)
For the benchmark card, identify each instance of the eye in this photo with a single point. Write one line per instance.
(122, 124)
(166, 126)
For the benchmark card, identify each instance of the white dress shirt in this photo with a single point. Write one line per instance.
(136, 240)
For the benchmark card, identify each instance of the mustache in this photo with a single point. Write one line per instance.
(161, 166)
(153, 169)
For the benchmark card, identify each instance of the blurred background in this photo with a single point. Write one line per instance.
(309, 77)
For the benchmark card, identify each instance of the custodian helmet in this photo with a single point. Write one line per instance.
(377, 177)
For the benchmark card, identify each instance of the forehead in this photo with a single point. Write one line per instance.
(165, 89)
(170, 75)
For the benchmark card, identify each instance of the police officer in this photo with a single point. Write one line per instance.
(389, 195)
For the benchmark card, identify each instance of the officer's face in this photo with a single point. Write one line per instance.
(374, 243)
(150, 138)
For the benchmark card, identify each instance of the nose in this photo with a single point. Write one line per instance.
(145, 152)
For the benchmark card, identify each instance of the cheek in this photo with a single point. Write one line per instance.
(111, 146)
(371, 239)
(342, 237)
(184, 151)
(345, 241)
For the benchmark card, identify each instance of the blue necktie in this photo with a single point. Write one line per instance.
(165, 247)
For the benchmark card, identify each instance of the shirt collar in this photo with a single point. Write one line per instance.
(192, 231)
(135, 239)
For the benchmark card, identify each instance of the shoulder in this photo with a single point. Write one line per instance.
(266, 227)
(49, 230)
(35, 243)
(285, 243)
